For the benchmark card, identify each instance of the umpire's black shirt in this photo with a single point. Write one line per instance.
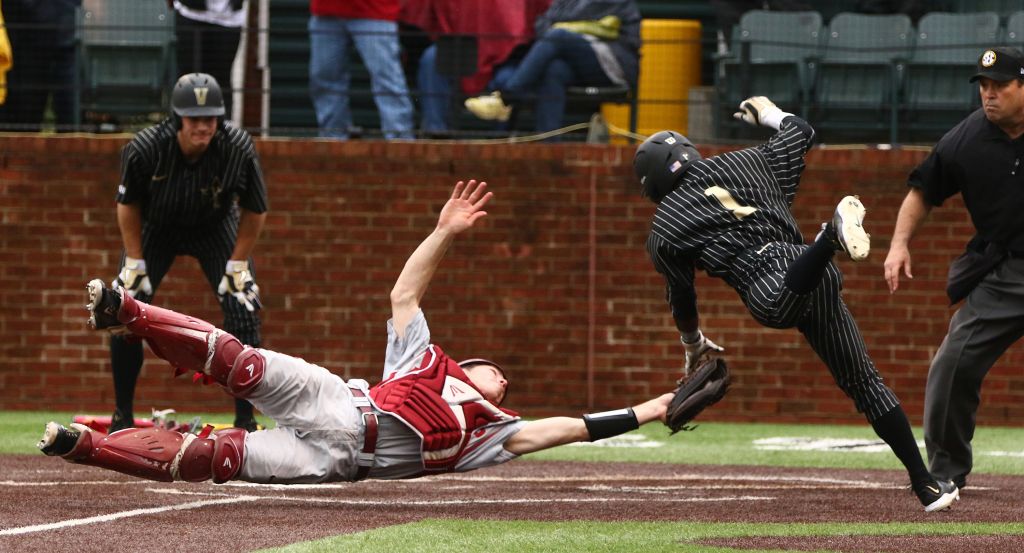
(177, 195)
(978, 160)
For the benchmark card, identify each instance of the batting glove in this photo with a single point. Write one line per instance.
(133, 277)
(759, 110)
(696, 350)
(238, 282)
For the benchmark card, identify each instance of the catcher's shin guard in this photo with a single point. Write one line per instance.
(191, 344)
(163, 455)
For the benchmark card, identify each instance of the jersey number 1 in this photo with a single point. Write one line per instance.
(728, 202)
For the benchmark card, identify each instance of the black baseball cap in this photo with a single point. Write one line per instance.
(1001, 63)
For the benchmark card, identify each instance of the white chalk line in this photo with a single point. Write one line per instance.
(123, 514)
(471, 501)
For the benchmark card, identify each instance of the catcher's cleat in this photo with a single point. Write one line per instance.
(937, 495)
(103, 306)
(846, 229)
(58, 439)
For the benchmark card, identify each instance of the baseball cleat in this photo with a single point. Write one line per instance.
(848, 224)
(937, 495)
(845, 232)
(58, 439)
(103, 306)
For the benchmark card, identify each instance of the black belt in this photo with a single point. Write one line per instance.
(365, 458)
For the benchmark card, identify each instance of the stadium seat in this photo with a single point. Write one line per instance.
(126, 57)
(770, 56)
(1015, 29)
(858, 79)
(937, 93)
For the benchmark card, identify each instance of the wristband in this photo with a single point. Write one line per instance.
(610, 423)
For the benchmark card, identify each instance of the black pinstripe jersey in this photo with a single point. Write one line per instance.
(728, 204)
(176, 194)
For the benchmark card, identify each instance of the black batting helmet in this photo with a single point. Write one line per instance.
(661, 161)
(197, 95)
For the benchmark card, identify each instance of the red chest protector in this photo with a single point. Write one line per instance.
(438, 401)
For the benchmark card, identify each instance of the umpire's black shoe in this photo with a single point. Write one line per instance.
(103, 306)
(846, 229)
(937, 495)
(58, 440)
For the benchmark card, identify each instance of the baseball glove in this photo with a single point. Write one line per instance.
(703, 388)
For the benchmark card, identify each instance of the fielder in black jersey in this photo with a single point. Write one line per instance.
(729, 215)
(189, 186)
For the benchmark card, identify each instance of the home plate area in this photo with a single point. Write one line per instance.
(56, 506)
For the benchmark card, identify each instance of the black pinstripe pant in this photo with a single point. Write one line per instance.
(824, 320)
(212, 247)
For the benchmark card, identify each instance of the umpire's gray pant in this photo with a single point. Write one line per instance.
(989, 322)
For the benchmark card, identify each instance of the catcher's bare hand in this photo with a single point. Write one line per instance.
(465, 206)
(696, 351)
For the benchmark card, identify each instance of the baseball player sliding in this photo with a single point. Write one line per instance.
(428, 415)
(730, 216)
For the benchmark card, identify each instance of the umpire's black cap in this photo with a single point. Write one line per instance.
(1002, 63)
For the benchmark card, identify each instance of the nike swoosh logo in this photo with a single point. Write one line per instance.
(933, 490)
(159, 177)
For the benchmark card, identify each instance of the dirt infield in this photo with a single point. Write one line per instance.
(51, 505)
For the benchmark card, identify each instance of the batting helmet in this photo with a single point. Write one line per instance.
(197, 95)
(661, 161)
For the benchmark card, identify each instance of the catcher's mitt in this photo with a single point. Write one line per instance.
(704, 387)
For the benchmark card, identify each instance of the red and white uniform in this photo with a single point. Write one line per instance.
(320, 430)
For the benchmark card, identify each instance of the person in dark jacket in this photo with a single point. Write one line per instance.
(580, 43)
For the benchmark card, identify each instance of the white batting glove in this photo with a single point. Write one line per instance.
(695, 351)
(238, 282)
(133, 277)
(759, 110)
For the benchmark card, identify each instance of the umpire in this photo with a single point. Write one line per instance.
(190, 185)
(982, 159)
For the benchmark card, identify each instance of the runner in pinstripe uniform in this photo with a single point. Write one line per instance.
(189, 186)
(729, 215)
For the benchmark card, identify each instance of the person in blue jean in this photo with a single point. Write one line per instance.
(371, 26)
(581, 43)
(436, 90)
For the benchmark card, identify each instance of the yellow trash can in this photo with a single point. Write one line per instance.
(669, 67)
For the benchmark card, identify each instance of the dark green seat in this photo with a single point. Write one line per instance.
(770, 55)
(126, 49)
(937, 93)
(1015, 29)
(858, 79)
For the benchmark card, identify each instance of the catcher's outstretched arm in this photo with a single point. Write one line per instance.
(555, 431)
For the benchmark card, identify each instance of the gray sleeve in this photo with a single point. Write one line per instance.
(487, 448)
(405, 354)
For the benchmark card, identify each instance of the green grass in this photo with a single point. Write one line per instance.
(712, 443)
(434, 535)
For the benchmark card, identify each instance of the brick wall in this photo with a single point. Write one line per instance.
(555, 284)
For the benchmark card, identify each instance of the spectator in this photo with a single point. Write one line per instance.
(371, 26)
(208, 33)
(42, 35)
(581, 43)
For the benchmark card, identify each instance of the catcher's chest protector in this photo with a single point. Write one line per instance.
(438, 401)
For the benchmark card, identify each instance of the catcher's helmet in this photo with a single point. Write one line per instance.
(661, 161)
(197, 95)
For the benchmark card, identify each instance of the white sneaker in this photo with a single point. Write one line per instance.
(848, 226)
(489, 108)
